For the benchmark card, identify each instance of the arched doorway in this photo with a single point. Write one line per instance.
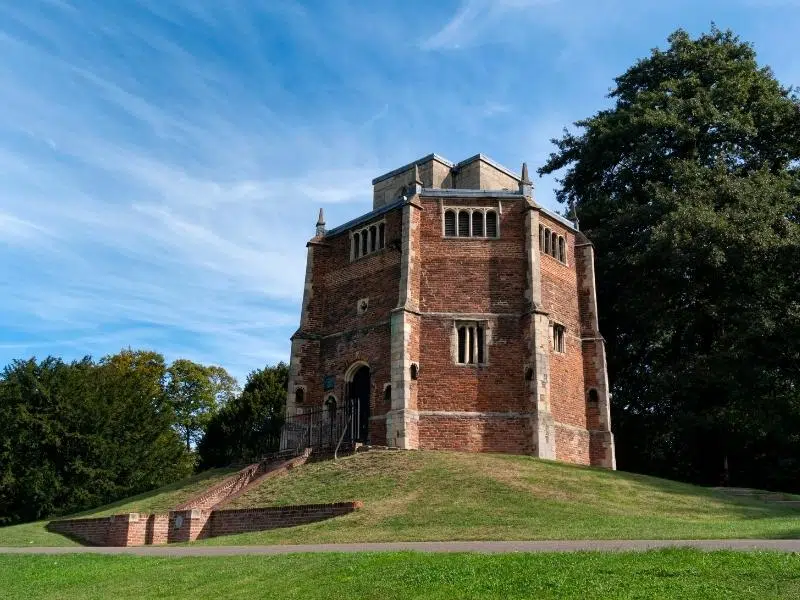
(359, 392)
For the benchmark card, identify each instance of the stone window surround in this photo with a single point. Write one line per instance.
(302, 389)
(355, 253)
(554, 326)
(471, 209)
(484, 324)
(387, 386)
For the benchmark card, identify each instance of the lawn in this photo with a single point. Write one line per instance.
(684, 574)
(455, 496)
(157, 501)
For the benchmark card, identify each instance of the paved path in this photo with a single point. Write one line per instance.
(492, 547)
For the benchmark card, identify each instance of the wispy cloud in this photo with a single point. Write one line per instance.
(481, 21)
(173, 218)
(163, 162)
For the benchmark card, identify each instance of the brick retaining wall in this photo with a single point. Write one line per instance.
(193, 524)
(227, 522)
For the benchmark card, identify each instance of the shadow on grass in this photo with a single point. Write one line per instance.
(73, 538)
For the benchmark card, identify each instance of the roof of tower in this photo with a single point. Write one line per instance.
(448, 164)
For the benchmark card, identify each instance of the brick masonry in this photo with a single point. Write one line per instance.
(193, 524)
(200, 516)
(526, 398)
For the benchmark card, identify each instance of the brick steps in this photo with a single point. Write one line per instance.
(269, 470)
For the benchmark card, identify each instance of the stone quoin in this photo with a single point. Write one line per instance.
(458, 314)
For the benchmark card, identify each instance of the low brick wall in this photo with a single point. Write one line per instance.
(227, 522)
(193, 524)
(101, 531)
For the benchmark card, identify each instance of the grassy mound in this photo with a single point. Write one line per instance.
(454, 496)
(156, 501)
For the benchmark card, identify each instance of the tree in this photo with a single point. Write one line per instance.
(223, 385)
(248, 426)
(81, 434)
(195, 392)
(689, 188)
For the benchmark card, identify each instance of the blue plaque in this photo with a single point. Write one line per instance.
(329, 382)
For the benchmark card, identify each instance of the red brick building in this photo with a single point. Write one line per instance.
(457, 314)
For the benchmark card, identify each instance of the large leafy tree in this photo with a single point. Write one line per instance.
(195, 392)
(248, 426)
(689, 188)
(77, 435)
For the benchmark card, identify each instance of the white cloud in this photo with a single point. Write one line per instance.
(477, 21)
(173, 220)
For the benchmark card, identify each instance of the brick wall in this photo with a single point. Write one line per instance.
(345, 334)
(101, 531)
(560, 299)
(487, 279)
(572, 444)
(227, 522)
(193, 524)
(475, 433)
(497, 281)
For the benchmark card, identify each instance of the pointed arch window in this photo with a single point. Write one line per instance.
(330, 405)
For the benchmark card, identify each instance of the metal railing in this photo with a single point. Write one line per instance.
(321, 429)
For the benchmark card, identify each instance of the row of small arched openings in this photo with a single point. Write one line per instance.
(553, 244)
(470, 223)
(369, 240)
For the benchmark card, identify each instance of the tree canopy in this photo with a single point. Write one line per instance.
(77, 435)
(195, 392)
(81, 434)
(689, 188)
(248, 426)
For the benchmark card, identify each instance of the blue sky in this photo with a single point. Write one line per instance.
(162, 162)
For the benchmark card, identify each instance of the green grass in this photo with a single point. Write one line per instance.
(156, 501)
(454, 496)
(684, 574)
